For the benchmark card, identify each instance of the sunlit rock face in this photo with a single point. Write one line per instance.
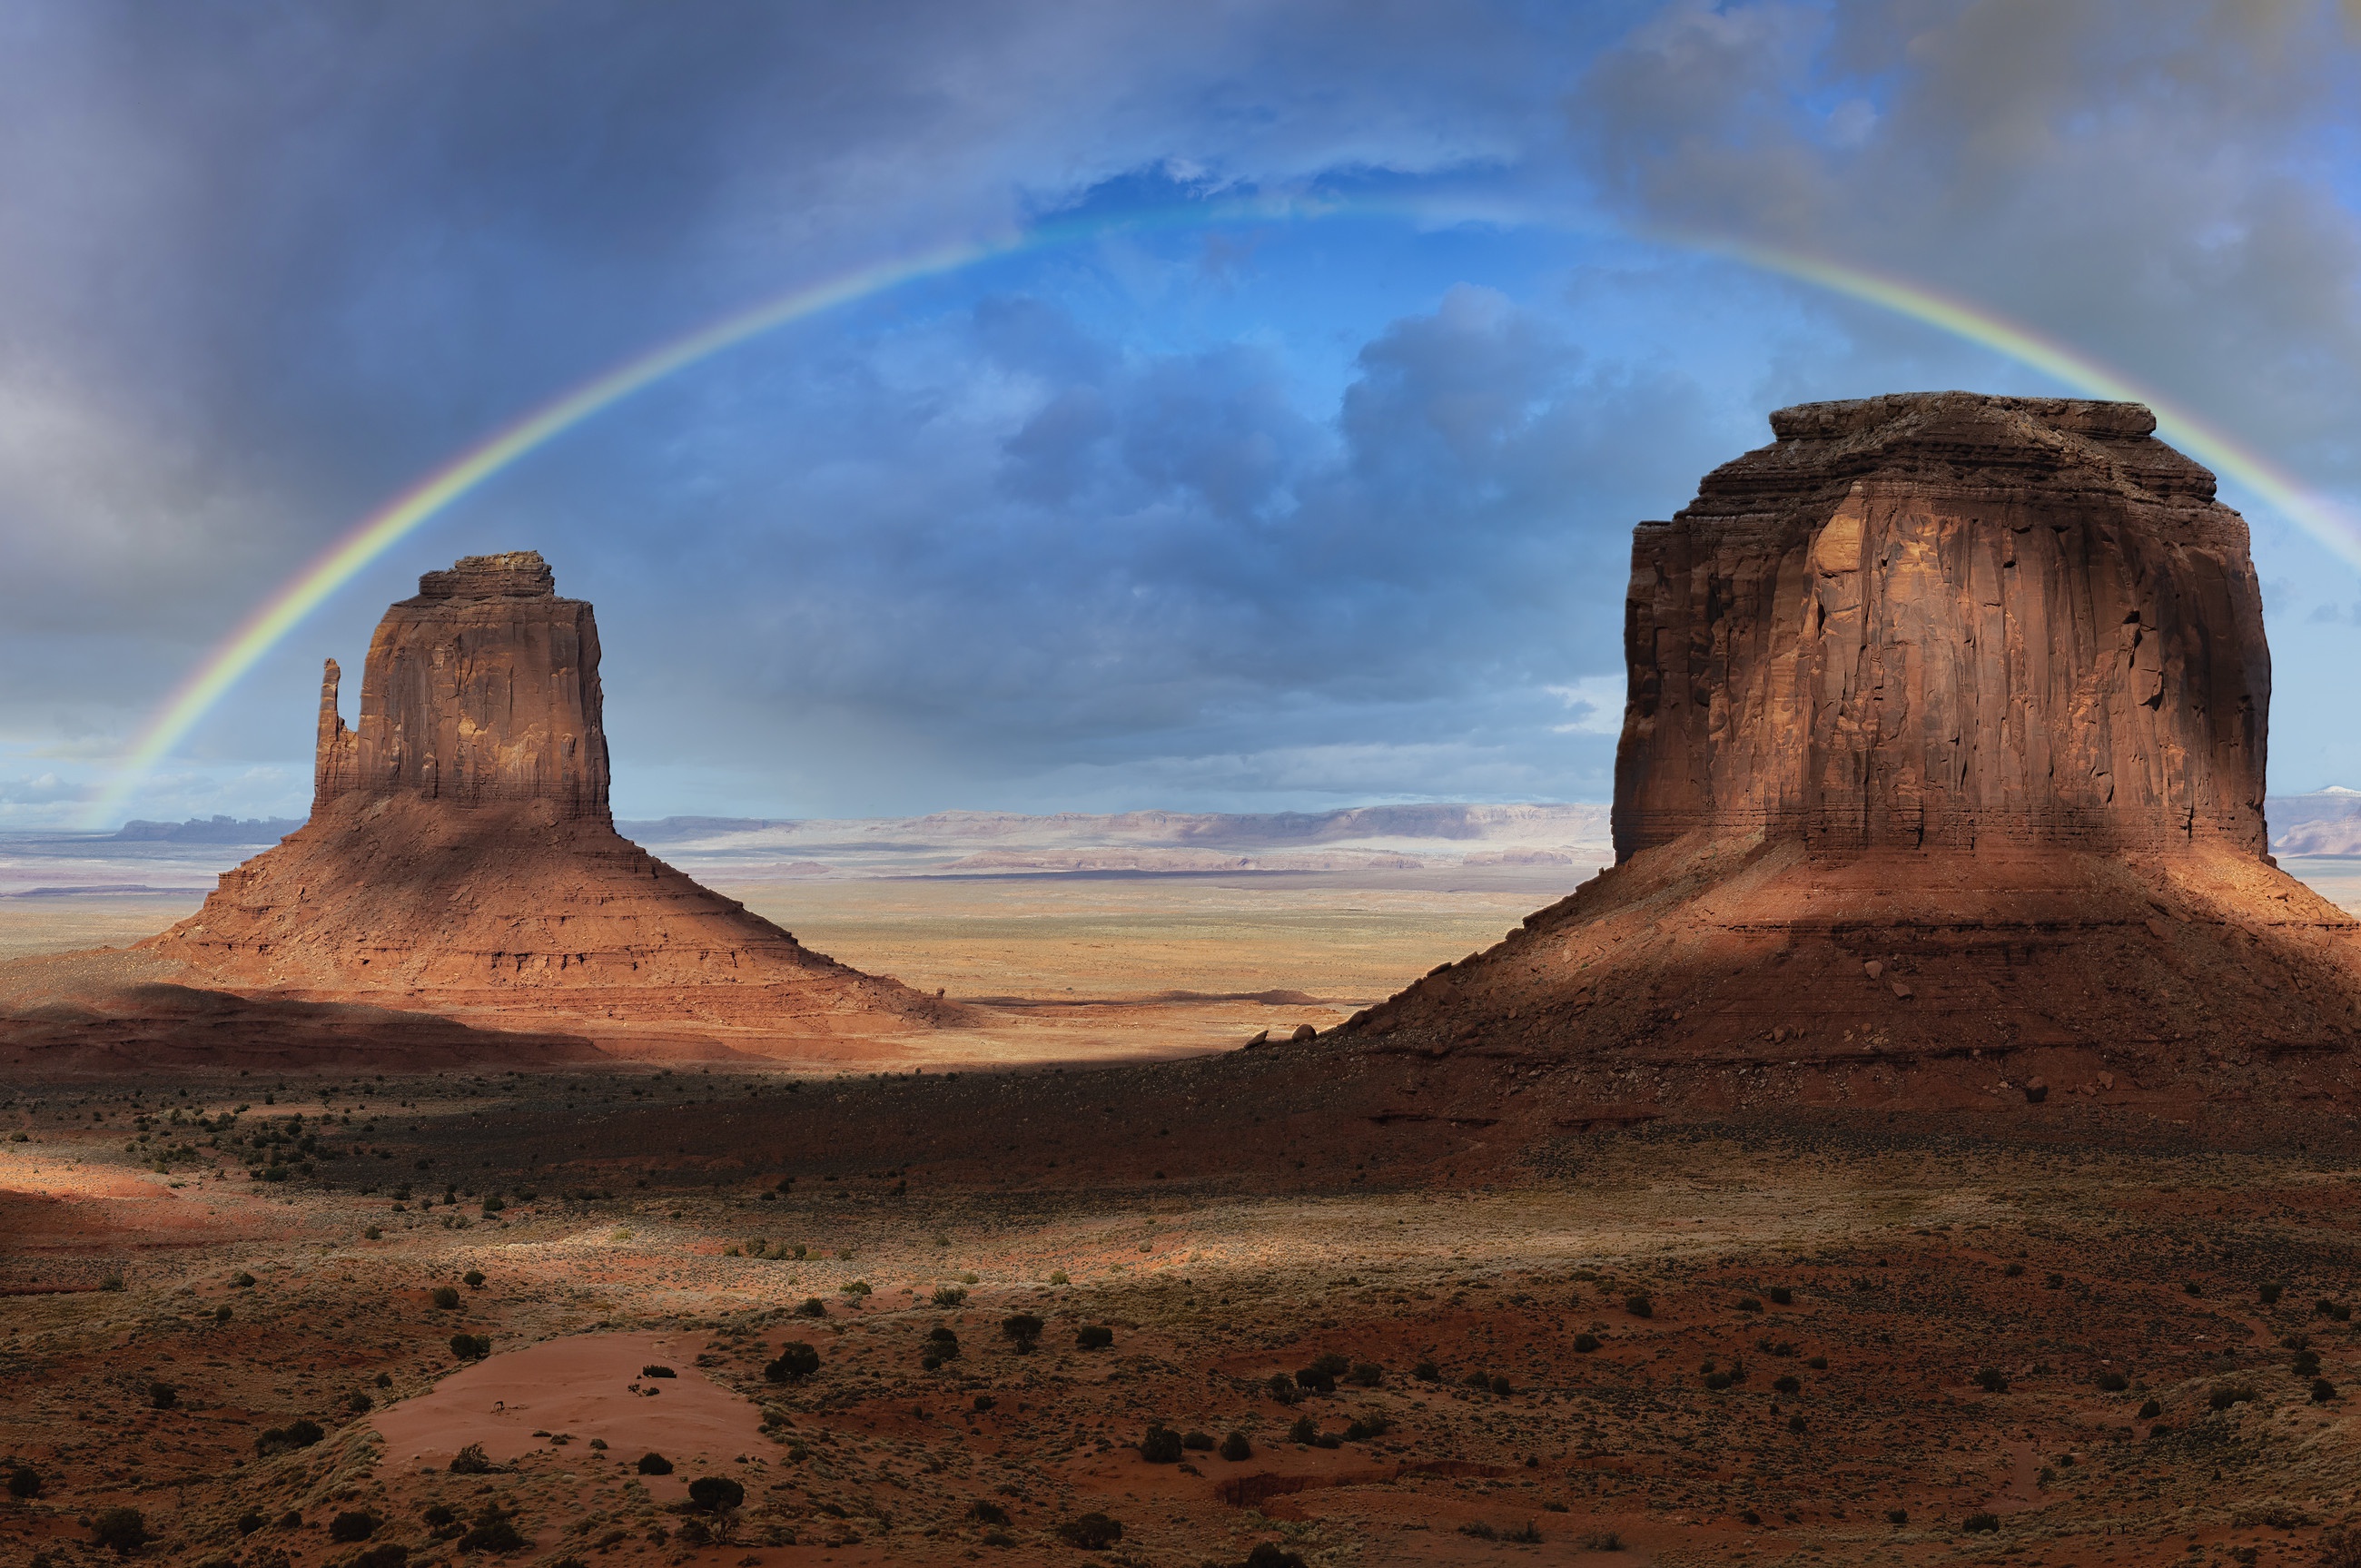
(1948, 620)
(483, 688)
(460, 851)
(1939, 789)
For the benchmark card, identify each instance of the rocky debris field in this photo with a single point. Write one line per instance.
(658, 1317)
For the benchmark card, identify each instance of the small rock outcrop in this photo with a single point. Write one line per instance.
(461, 855)
(1940, 784)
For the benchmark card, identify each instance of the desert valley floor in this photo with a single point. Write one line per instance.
(2033, 1340)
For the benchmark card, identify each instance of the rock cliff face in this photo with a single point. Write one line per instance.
(483, 688)
(460, 854)
(1948, 620)
(1940, 784)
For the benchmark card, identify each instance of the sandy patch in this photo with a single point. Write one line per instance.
(582, 1387)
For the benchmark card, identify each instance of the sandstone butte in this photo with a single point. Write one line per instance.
(1940, 784)
(460, 860)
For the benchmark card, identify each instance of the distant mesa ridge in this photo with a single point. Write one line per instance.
(206, 830)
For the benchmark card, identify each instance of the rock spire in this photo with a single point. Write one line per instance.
(460, 853)
(483, 688)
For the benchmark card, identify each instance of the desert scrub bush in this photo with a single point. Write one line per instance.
(353, 1524)
(2111, 1381)
(1366, 1374)
(1304, 1431)
(855, 1287)
(982, 1512)
(1094, 1336)
(2269, 1291)
(715, 1493)
(813, 1307)
(2336, 1310)
(657, 1369)
(1320, 1377)
(1427, 1372)
(2340, 1548)
(1639, 1305)
(1365, 1426)
(1787, 1383)
(358, 1404)
(2306, 1363)
(471, 1461)
(797, 1360)
(1198, 1441)
(1022, 1331)
(242, 1281)
(493, 1531)
(1980, 1523)
(1748, 1304)
(1270, 1554)
(1898, 1516)
(950, 1295)
(2323, 1390)
(2221, 1395)
(1992, 1380)
(470, 1347)
(653, 1463)
(120, 1529)
(942, 1346)
(473, 1280)
(1585, 1343)
(1781, 1295)
(1092, 1533)
(2150, 1410)
(1235, 1448)
(24, 1482)
(162, 1396)
(289, 1438)
(1818, 1364)
(2013, 1271)
(1161, 1445)
(1599, 1540)
(446, 1297)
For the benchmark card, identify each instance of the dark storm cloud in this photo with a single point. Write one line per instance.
(2168, 183)
(262, 266)
(263, 263)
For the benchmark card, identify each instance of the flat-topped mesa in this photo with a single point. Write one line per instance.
(482, 689)
(1947, 619)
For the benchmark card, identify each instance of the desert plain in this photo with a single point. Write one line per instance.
(2056, 1334)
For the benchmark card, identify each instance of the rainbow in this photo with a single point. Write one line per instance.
(2333, 526)
(377, 532)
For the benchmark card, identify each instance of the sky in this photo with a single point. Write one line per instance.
(1291, 465)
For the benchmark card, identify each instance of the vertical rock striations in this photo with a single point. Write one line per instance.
(1948, 620)
(460, 853)
(482, 688)
(1940, 784)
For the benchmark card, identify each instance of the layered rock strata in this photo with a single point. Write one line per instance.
(1953, 620)
(460, 851)
(1941, 776)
